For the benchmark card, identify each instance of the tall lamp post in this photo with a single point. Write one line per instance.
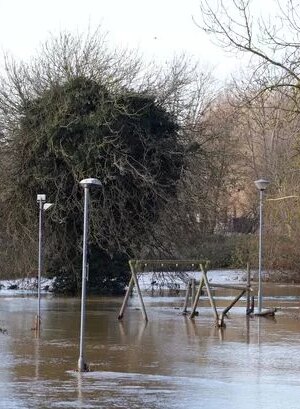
(261, 185)
(41, 200)
(86, 184)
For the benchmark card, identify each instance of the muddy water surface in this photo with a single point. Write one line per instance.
(172, 362)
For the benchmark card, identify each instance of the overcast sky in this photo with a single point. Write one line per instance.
(159, 28)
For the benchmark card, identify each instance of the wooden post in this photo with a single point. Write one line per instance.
(211, 299)
(132, 267)
(248, 291)
(129, 289)
(193, 292)
(221, 322)
(248, 329)
(187, 294)
(201, 283)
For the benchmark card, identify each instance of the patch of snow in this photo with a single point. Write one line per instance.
(179, 280)
(26, 284)
(227, 276)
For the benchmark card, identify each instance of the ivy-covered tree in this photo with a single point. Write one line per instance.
(63, 124)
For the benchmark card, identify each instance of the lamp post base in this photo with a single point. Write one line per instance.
(37, 324)
(82, 365)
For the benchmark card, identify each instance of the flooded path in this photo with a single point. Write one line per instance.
(172, 362)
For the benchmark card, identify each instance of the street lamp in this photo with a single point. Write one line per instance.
(41, 200)
(261, 185)
(86, 184)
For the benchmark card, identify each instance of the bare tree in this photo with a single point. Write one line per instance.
(271, 42)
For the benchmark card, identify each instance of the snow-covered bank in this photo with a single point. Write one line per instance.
(146, 280)
(226, 276)
(179, 280)
(167, 280)
(26, 284)
(229, 276)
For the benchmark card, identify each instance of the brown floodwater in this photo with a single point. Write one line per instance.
(172, 362)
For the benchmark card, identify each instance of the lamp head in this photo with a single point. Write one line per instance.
(262, 184)
(90, 182)
(47, 206)
(41, 198)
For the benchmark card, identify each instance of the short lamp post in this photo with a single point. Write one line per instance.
(261, 185)
(41, 200)
(86, 184)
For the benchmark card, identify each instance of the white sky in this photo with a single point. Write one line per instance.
(159, 28)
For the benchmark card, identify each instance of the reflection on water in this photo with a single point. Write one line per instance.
(172, 362)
